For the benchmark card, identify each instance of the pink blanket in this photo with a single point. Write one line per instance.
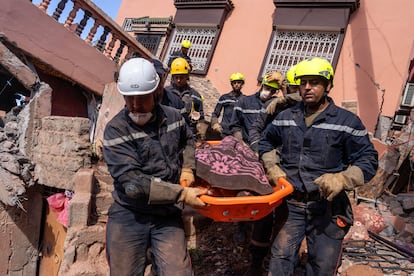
(232, 165)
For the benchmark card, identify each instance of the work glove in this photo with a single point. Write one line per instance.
(293, 98)
(274, 173)
(275, 104)
(202, 129)
(271, 161)
(275, 76)
(238, 134)
(331, 184)
(279, 78)
(187, 175)
(162, 192)
(191, 196)
(283, 102)
(217, 128)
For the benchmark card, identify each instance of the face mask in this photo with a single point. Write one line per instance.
(140, 118)
(264, 94)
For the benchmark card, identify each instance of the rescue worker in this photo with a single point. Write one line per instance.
(325, 152)
(183, 53)
(248, 108)
(292, 82)
(193, 101)
(245, 113)
(167, 97)
(149, 149)
(225, 105)
(290, 96)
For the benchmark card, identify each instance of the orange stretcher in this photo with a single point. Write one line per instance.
(243, 208)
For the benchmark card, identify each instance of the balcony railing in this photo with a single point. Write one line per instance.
(96, 28)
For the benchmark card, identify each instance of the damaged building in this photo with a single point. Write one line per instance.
(57, 92)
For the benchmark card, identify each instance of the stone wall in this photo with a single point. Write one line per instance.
(62, 149)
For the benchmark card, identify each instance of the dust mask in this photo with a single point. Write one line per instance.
(264, 94)
(140, 118)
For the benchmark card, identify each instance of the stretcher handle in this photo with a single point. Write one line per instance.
(282, 189)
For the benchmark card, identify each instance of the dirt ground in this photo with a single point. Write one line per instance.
(217, 252)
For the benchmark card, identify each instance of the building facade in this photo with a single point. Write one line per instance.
(369, 42)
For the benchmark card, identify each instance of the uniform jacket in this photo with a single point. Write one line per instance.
(264, 119)
(172, 99)
(135, 154)
(336, 139)
(226, 104)
(192, 101)
(245, 114)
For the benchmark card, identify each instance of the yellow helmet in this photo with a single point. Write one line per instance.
(272, 84)
(179, 66)
(290, 76)
(186, 43)
(237, 77)
(315, 67)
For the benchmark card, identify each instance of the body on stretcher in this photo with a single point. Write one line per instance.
(243, 208)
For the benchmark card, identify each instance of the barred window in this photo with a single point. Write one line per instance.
(202, 44)
(151, 32)
(149, 41)
(288, 47)
(201, 23)
(303, 29)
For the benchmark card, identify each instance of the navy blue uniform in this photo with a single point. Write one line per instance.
(174, 100)
(134, 155)
(335, 140)
(245, 114)
(226, 104)
(192, 101)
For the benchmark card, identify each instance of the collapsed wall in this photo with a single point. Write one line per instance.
(41, 154)
(21, 204)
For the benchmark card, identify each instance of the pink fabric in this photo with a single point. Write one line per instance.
(59, 204)
(232, 165)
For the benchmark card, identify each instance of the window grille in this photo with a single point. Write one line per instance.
(149, 41)
(408, 97)
(128, 23)
(202, 41)
(400, 119)
(288, 47)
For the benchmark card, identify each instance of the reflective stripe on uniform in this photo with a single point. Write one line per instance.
(198, 98)
(140, 135)
(248, 110)
(284, 123)
(345, 129)
(227, 101)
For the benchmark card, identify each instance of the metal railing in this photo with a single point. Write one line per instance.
(91, 24)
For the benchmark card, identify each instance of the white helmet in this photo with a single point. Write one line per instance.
(137, 76)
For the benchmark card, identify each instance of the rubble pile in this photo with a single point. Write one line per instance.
(16, 170)
(382, 236)
(383, 230)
